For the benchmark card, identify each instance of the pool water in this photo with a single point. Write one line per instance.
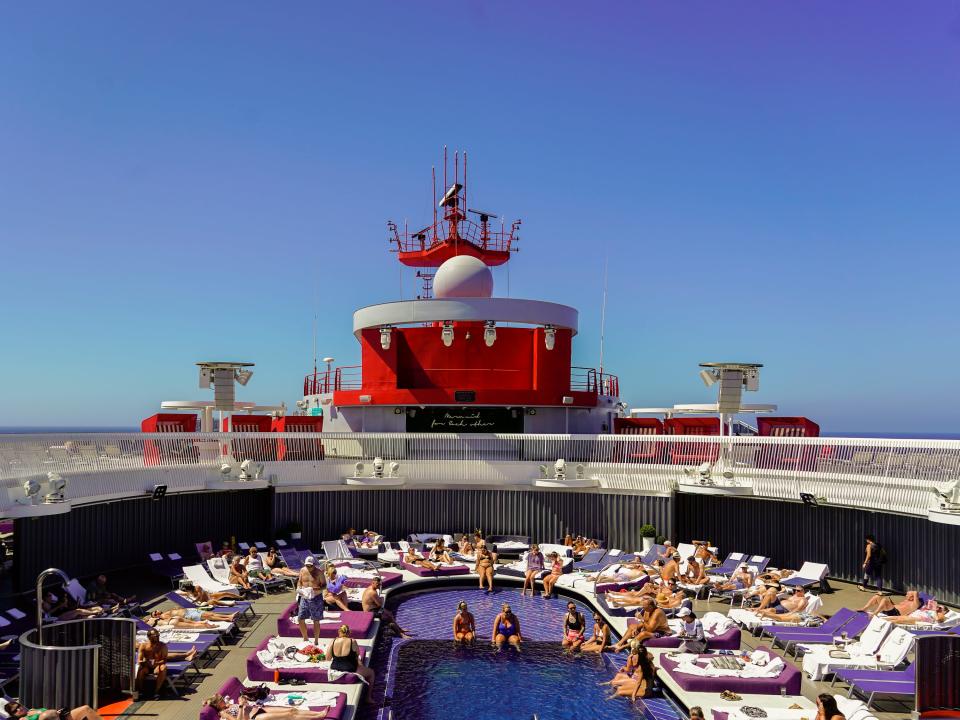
(432, 681)
(427, 677)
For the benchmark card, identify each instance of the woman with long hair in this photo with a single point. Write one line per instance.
(827, 708)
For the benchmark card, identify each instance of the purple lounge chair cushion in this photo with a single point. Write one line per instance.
(728, 640)
(886, 687)
(233, 687)
(908, 674)
(359, 623)
(258, 672)
(789, 678)
(447, 570)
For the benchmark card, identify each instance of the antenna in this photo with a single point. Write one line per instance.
(603, 309)
(434, 203)
(314, 345)
(465, 178)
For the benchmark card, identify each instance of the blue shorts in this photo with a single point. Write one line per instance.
(780, 610)
(312, 608)
(193, 615)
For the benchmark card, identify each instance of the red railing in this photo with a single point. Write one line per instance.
(584, 379)
(326, 381)
(482, 237)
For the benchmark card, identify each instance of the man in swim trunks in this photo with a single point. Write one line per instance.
(881, 604)
(371, 601)
(310, 587)
(153, 655)
(794, 603)
(653, 623)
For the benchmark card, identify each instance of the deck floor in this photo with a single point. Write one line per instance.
(268, 607)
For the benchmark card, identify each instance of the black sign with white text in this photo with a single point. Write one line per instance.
(465, 420)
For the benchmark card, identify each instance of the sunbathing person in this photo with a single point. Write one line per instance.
(336, 592)
(371, 601)
(881, 604)
(99, 593)
(440, 554)
(600, 640)
(413, 557)
(792, 604)
(696, 573)
(740, 580)
(926, 615)
(194, 615)
(63, 607)
(626, 572)
(238, 575)
(668, 600)
(568, 540)
(484, 566)
(827, 708)
(243, 709)
(199, 596)
(703, 554)
(18, 711)
(653, 623)
(769, 595)
(273, 562)
(671, 568)
(550, 579)
(464, 625)
(152, 658)
(465, 547)
(506, 628)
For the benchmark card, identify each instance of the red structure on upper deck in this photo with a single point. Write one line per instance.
(454, 233)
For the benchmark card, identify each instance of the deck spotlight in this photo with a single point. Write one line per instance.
(446, 335)
(949, 494)
(243, 376)
(57, 484)
(560, 469)
(549, 336)
(378, 466)
(394, 469)
(709, 377)
(358, 468)
(226, 468)
(580, 471)
(31, 488)
(489, 333)
(250, 470)
(385, 332)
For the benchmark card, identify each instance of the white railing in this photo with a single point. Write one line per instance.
(885, 475)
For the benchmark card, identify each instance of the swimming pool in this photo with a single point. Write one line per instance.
(434, 682)
(426, 678)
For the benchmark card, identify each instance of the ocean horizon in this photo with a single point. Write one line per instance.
(57, 429)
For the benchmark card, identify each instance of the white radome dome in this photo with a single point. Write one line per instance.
(463, 276)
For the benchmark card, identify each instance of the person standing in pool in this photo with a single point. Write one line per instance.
(574, 626)
(534, 568)
(506, 628)
(464, 625)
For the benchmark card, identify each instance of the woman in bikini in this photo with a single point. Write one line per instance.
(827, 708)
(641, 681)
(200, 596)
(574, 626)
(534, 568)
(152, 658)
(600, 640)
(274, 563)
(506, 628)
(413, 557)
(336, 593)
(21, 712)
(625, 673)
(238, 575)
(556, 570)
(193, 615)
(484, 567)
(464, 625)
(439, 553)
(242, 709)
(344, 654)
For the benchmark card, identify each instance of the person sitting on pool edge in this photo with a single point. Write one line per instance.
(344, 654)
(372, 602)
(464, 625)
(574, 626)
(534, 567)
(600, 641)
(506, 628)
(556, 570)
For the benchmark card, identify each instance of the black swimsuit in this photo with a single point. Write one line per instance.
(345, 663)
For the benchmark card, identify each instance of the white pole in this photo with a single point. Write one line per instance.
(603, 310)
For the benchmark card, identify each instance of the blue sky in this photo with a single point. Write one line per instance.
(771, 182)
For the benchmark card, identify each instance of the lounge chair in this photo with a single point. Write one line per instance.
(199, 577)
(844, 620)
(164, 567)
(808, 575)
(891, 650)
(729, 564)
(336, 550)
(870, 683)
(244, 608)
